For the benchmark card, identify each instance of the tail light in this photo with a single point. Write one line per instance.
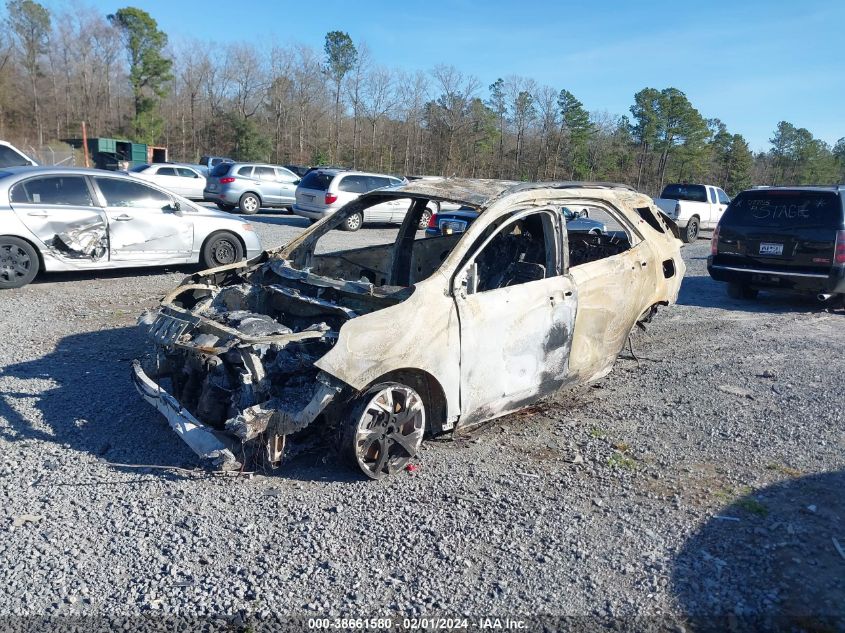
(226, 181)
(714, 243)
(331, 198)
(839, 251)
(432, 221)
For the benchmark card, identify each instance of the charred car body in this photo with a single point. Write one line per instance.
(512, 309)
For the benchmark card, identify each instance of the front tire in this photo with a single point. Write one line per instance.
(384, 429)
(19, 262)
(221, 249)
(249, 204)
(353, 222)
(741, 291)
(690, 232)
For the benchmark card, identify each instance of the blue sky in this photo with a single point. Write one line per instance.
(750, 64)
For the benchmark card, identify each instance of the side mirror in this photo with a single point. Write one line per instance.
(297, 181)
(176, 207)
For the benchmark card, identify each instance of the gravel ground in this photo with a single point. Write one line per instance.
(704, 478)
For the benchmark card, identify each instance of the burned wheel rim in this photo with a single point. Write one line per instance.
(223, 251)
(389, 430)
(15, 263)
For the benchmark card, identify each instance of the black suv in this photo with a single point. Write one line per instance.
(782, 238)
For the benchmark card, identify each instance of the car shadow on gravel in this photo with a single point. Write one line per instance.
(118, 273)
(773, 559)
(704, 292)
(91, 405)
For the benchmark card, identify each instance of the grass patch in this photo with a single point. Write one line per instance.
(597, 433)
(783, 469)
(618, 460)
(750, 504)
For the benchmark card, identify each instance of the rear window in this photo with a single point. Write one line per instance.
(316, 180)
(220, 170)
(693, 193)
(785, 209)
(138, 168)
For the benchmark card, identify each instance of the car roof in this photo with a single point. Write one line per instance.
(54, 171)
(333, 171)
(834, 188)
(479, 193)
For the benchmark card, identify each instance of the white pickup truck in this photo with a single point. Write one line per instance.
(693, 207)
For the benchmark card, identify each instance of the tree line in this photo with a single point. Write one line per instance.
(338, 105)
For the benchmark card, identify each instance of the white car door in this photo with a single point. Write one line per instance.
(516, 310)
(61, 212)
(144, 224)
(723, 200)
(193, 182)
(381, 212)
(168, 178)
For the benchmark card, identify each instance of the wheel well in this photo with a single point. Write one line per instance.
(428, 387)
(218, 232)
(695, 217)
(37, 250)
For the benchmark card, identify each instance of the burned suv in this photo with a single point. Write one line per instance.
(249, 355)
(782, 238)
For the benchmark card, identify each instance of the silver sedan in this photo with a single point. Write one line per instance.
(60, 219)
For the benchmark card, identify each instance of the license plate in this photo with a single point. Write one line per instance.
(310, 198)
(167, 329)
(770, 248)
(212, 187)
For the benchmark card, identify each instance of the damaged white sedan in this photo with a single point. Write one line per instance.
(384, 345)
(59, 219)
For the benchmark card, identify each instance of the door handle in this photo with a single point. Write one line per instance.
(38, 214)
(123, 218)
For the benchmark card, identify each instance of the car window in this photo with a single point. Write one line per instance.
(286, 175)
(61, 190)
(139, 168)
(353, 184)
(220, 170)
(723, 197)
(316, 180)
(11, 158)
(377, 182)
(693, 193)
(651, 218)
(216, 161)
(516, 255)
(394, 182)
(186, 173)
(124, 193)
(265, 173)
(245, 171)
(784, 209)
(166, 171)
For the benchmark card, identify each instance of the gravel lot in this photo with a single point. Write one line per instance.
(704, 478)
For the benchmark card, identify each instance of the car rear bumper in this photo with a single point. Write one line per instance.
(832, 282)
(310, 213)
(219, 196)
(203, 440)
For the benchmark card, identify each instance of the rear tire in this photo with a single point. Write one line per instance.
(353, 222)
(426, 216)
(741, 291)
(221, 249)
(249, 204)
(383, 429)
(690, 232)
(19, 263)
(224, 207)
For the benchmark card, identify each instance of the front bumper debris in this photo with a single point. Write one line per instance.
(200, 438)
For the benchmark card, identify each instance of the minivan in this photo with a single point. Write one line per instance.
(782, 238)
(324, 191)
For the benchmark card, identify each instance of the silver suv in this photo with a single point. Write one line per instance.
(324, 191)
(250, 186)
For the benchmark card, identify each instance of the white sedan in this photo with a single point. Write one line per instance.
(180, 179)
